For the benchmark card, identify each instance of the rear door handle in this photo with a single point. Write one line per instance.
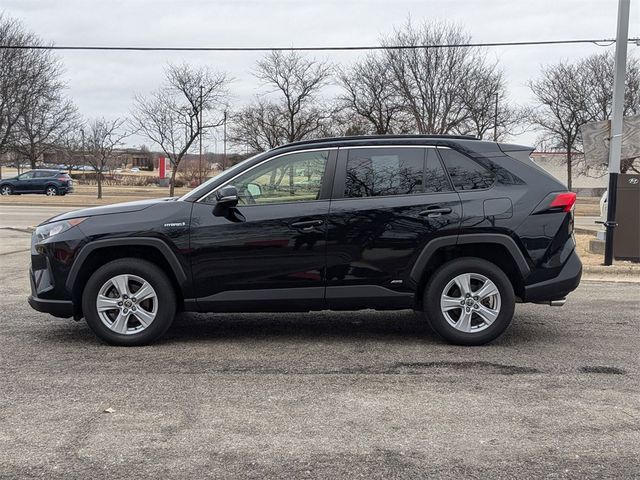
(307, 225)
(435, 211)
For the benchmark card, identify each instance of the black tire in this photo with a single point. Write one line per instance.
(149, 272)
(435, 290)
(53, 189)
(6, 190)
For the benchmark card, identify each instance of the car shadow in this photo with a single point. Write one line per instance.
(301, 326)
(404, 326)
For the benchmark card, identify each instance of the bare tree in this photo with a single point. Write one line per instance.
(258, 126)
(101, 139)
(568, 95)
(173, 117)
(25, 76)
(42, 124)
(560, 108)
(489, 112)
(69, 147)
(598, 70)
(434, 82)
(289, 111)
(368, 93)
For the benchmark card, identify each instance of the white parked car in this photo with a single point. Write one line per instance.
(604, 202)
(135, 170)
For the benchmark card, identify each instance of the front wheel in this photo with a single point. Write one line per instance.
(129, 302)
(6, 190)
(469, 301)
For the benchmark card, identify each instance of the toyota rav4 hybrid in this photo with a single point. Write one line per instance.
(457, 228)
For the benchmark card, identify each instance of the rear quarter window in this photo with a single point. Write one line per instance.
(465, 173)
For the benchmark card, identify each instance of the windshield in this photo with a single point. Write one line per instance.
(205, 187)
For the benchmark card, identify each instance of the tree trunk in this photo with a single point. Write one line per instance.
(569, 165)
(99, 176)
(173, 181)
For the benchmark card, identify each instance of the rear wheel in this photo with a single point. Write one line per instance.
(6, 190)
(51, 191)
(469, 301)
(129, 302)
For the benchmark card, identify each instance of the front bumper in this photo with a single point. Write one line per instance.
(558, 287)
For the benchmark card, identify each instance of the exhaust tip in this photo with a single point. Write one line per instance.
(558, 303)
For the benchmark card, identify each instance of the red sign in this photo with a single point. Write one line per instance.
(162, 167)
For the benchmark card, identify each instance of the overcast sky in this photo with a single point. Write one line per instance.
(103, 83)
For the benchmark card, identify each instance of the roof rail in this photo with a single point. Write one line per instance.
(375, 137)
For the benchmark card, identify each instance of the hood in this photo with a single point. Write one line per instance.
(125, 207)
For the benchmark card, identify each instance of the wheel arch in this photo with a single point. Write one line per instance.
(95, 254)
(498, 249)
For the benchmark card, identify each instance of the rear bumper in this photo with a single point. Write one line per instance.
(558, 287)
(57, 308)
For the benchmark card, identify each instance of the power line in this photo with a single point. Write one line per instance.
(601, 42)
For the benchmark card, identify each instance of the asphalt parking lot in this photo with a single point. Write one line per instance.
(324, 395)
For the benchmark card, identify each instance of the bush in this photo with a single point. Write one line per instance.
(91, 178)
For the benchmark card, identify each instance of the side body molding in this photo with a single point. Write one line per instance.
(170, 256)
(495, 238)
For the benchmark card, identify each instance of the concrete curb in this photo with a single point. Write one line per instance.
(612, 270)
(586, 231)
(19, 229)
(62, 205)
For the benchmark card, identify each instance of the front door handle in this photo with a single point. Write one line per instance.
(307, 225)
(435, 211)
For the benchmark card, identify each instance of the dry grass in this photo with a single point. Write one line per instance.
(85, 195)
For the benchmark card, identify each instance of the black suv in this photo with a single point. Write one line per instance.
(49, 182)
(458, 228)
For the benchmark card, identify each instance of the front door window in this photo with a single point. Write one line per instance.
(295, 177)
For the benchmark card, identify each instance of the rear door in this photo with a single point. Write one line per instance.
(387, 204)
(40, 180)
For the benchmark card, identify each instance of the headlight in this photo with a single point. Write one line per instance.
(50, 229)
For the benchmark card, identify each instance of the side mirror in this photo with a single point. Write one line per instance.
(227, 196)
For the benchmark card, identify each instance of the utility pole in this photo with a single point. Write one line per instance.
(495, 119)
(224, 141)
(200, 137)
(615, 142)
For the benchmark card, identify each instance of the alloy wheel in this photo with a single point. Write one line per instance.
(470, 302)
(51, 191)
(127, 304)
(6, 190)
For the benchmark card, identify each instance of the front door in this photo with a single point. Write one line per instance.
(25, 183)
(268, 253)
(388, 203)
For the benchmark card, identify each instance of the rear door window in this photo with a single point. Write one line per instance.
(465, 173)
(43, 174)
(373, 172)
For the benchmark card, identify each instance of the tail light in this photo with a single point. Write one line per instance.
(64, 178)
(565, 201)
(556, 202)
